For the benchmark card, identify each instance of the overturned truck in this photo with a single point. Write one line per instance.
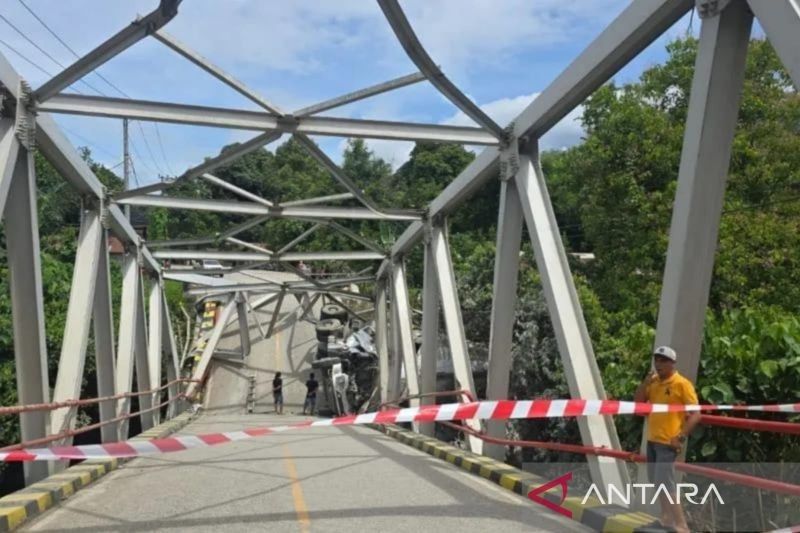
(346, 359)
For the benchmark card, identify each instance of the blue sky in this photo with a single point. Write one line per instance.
(501, 53)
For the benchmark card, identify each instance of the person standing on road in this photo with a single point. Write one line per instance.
(311, 395)
(667, 432)
(277, 392)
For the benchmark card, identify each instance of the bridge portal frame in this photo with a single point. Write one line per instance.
(512, 152)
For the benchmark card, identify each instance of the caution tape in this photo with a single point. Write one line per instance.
(485, 410)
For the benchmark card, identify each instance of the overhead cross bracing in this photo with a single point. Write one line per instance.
(511, 153)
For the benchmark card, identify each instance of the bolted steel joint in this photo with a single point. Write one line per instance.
(710, 8)
(25, 120)
(509, 160)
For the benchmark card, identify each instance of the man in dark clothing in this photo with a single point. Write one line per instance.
(311, 395)
(277, 392)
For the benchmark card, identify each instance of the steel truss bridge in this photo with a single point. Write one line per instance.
(145, 340)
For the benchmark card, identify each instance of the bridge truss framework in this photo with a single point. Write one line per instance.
(145, 336)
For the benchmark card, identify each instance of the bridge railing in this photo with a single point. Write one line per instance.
(60, 437)
(748, 424)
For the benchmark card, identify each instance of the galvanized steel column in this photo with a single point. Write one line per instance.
(572, 336)
(27, 304)
(430, 332)
(707, 142)
(78, 321)
(451, 309)
(103, 319)
(504, 299)
(403, 327)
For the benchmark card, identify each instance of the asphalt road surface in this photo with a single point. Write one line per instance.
(345, 479)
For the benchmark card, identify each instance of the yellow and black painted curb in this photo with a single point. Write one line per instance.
(592, 513)
(33, 500)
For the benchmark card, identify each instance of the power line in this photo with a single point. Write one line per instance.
(43, 51)
(20, 54)
(161, 147)
(149, 150)
(98, 74)
(89, 142)
(68, 47)
(135, 151)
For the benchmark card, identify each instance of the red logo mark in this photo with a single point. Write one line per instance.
(560, 481)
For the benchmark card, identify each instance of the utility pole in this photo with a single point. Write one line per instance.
(126, 164)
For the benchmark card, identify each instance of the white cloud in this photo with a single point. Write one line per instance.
(564, 134)
(463, 33)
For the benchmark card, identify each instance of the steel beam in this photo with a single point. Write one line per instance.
(180, 242)
(244, 226)
(215, 71)
(451, 310)
(472, 178)
(708, 139)
(506, 270)
(275, 313)
(66, 160)
(71, 166)
(27, 304)
(128, 319)
(211, 345)
(361, 94)
(103, 106)
(244, 325)
(356, 237)
(337, 172)
(430, 334)
(155, 347)
(9, 149)
(234, 189)
(300, 238)
(251, 208)
(273, 287)
(252, 256)
(319, 200)
(395, 389)
(781, 22)
(172, 366)
(133, 33)
(403, 325)
(104, 356)
(632, 31)
(417, 53)
(78, 320)
(381, 335)
(572, 336)
(249, 245)
(143, 378)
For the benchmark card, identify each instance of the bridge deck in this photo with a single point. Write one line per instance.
(324, 479)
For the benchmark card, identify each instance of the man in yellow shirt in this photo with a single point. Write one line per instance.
(667, 432)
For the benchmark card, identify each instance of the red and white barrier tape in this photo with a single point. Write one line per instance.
(486, 410)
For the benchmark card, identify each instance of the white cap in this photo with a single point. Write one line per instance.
(666, 351)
